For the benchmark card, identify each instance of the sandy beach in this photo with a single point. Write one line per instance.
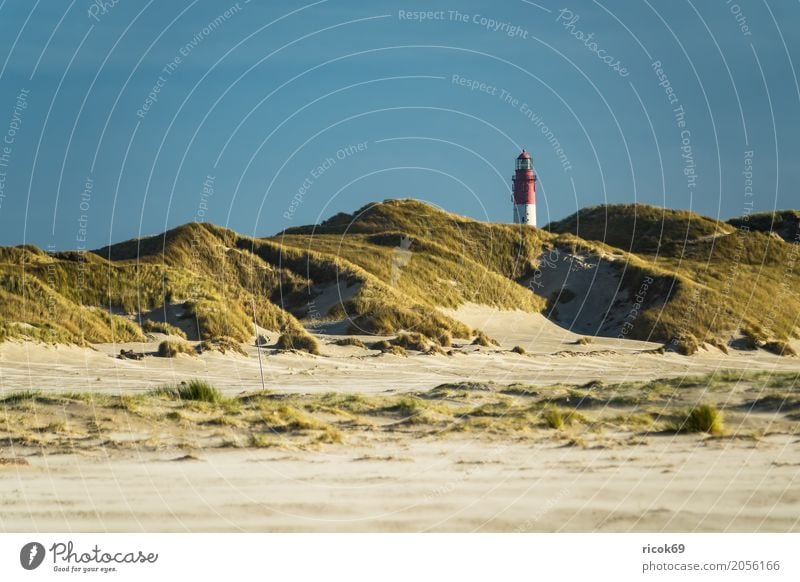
(112, 458)
(552, 356)
(667, 484)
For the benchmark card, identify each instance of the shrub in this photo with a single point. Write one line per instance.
(351, 341)
(484, 340)
(150, 326)
(298, 341)
(558, 418)
(412, 341)
(554, 418)
(223, 345)
(519, 350)
(408, 406)
(196, 390)
(170, 349)
(686, 345)
(703, 418)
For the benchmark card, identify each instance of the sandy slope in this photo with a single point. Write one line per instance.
(586, 289)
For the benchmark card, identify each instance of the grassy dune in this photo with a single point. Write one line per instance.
(707, 281)
(726, 278)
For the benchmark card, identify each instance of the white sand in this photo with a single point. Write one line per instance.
(432, 483)
(552, 357)
(670, 484)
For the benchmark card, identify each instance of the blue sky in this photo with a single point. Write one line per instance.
(258, 122)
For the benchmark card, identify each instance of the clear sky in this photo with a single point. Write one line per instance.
(129, 117)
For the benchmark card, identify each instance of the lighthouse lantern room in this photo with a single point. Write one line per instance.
(524, 191)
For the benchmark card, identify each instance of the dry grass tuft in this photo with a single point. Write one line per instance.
(171, 349)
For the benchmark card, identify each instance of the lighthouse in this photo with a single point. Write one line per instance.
(524, 191)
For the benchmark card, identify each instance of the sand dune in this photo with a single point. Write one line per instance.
(552, 357)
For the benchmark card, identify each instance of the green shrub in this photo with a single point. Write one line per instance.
(702, 418)
(554, 418)
(195, 390)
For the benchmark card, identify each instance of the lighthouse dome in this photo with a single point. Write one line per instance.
(524, 161)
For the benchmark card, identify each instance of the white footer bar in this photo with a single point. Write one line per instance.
(400, 557)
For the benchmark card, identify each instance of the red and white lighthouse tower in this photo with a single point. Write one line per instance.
(524, 182)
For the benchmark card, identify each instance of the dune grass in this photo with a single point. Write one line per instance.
(638, 227)
(171, 349)
(196, 413)
(19, 396)
(703, 418)
(350, 341)
(298, 341)
(709, 278)
(481, 339)
(194, 390)
(150, 326)
(554, 418)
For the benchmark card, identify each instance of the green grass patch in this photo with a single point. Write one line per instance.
(194, 390)
(703, 418)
